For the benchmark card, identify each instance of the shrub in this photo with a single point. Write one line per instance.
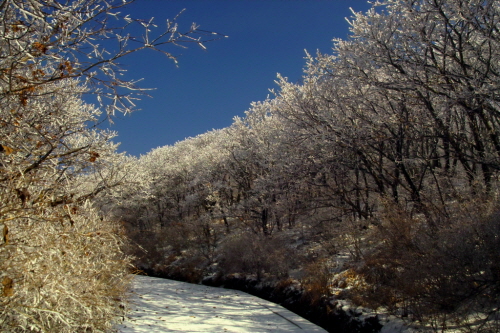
(61, 274)
(317, 281)
(251, 253)
(450, 271)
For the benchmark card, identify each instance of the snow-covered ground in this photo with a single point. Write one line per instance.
(160, 305)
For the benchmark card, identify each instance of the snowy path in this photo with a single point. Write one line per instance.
(161, 305)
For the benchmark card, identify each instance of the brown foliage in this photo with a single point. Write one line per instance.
(317, 281)
(422, 272)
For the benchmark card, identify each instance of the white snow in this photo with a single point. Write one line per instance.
(160, 305)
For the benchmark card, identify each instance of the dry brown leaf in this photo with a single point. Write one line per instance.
(41, 48)
(5, 234)
(93, 156)
(7, 149)
(23, 194)
(8, 287)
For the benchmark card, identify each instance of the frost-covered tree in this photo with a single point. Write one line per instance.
(408, 102)
(48, 41)
(266, 163)
(50, 228)
(178, 201)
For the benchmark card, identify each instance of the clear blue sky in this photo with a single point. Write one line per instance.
(210, 87)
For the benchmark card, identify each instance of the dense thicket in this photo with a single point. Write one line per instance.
(388, 149)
